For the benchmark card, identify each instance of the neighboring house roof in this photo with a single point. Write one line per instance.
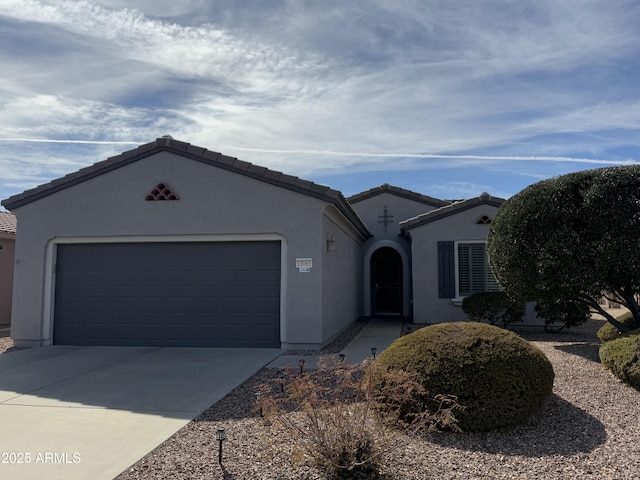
(200, 154)
(400, 192)
(7, 223)
(452, 209)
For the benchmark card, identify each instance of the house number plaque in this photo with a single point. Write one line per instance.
(304, 264)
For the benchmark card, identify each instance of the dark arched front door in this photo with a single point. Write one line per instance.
(386, 282)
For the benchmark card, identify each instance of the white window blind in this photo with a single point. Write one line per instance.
(474, 272)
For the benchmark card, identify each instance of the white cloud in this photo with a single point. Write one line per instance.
(155, 8)
(48, 116)
(460, 190)
(310, 87)
(201, 51)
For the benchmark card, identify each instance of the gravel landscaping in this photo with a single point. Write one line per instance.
(588, 430)
(6, 343)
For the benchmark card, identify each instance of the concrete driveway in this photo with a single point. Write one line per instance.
(90, 412)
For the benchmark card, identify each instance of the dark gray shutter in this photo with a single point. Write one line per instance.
(446, 270)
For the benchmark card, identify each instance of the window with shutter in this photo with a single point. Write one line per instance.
(474, 272)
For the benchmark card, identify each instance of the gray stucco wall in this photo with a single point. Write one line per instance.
(341, 275)
(401, 208)
(427, 307)
(214, 204)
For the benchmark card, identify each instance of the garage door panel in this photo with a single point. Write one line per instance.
(148, 319)
(264, 304)
(171, 294)
(262, 321)
(93, 332)
(204, 280)
(96, 305)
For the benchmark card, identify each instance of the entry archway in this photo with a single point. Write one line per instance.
(386, 280)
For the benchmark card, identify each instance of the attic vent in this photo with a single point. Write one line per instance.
(484, 221)
(162, 192)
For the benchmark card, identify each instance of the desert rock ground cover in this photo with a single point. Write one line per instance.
(588, 430)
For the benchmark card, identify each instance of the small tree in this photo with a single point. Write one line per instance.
(571, 239)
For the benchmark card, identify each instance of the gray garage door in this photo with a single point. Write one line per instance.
(168, 294)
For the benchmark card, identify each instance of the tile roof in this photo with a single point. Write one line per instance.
(452, 209)
(400, 192)
(200, 154)
(7, 223)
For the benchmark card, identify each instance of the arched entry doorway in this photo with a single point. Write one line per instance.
(386, 282)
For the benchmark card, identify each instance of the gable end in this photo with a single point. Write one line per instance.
(200, 154)
(399, 192)
(453, 209)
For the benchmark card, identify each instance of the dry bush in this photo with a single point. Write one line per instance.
(338, 419)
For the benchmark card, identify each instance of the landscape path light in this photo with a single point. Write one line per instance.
(221, 436)
(281, 380)
(259, 402)
(374, 352)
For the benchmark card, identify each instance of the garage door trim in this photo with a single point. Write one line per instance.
(50, 274)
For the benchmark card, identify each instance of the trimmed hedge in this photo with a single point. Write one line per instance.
(499, 378)
(609, 332)
(622, 357)
(493, 307)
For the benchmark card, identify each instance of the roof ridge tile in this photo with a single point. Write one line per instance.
(241, 164)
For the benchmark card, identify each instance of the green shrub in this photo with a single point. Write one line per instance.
(498, 378)
(566, 313)
(493, 307)
(622, 357)
(609, 332)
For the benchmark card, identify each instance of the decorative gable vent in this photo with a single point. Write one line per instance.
(162, 192)
(484, 221)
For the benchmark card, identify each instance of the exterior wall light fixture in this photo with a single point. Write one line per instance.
(331, 242)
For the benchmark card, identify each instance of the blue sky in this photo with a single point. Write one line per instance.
(448, 99)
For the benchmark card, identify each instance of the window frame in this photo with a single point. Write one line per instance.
(458, 297)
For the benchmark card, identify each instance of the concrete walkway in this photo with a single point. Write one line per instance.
(379, 333)
(91, 412)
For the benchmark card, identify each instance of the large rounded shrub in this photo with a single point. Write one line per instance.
(499, 378)
(609, 332)
(622, 357)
